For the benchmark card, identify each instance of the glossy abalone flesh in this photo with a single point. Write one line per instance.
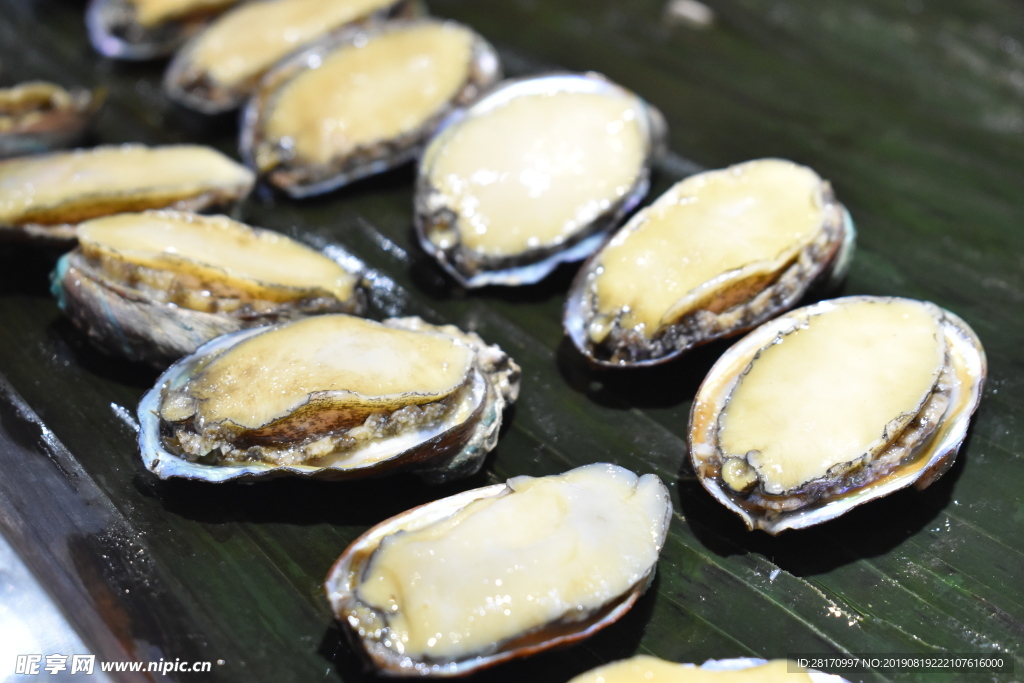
(330, 396)
(220, 68)
(717, 254)
(362, 103)
(38, 116)
(153, 286)
(534, 174)
(43, 197)
(834, 405)
(501, 572)
(147, 29)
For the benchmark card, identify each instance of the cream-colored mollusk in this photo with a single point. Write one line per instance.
(552, 548)
(26, 104)
(533, 175)
(73, 186)
(148, 29)
(52, 180)
(348, 362)
(647, 669)
(834, 392)
(533, 172)
(717, 254)
(243, 44)
(329, 396)
(704, 231)
(373, 91)
(362, 102)
(153, 286)
(36, 116)
(217, 251)
(502, 571)
(833, 405)
(150, 13)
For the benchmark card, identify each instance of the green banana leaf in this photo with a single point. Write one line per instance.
(914, 110)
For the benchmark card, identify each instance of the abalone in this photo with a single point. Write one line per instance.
(153, 286)
(43, 197)
(362, 102)
(833, 405)
(147, 29)
(329, 396)
(221, 67)
(38, 116)
(501, 572)
(717, 254)
(534, 174)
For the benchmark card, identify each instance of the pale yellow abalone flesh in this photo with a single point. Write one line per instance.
(37, 116)
(147, 29)
(43, 197)
(362, 103)
(833, 405)
(153, 286)
(565, 554)
(331, 396)
(533, 175)
(221, 67)
(717, 254)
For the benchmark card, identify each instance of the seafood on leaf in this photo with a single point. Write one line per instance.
(153, 286)
(43, 197)
(834, 405)
(717, 254)
(568, 555)
(330, 396)
(362, 103)
(534, 174)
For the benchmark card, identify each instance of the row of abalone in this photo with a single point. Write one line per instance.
(754, 238)
(654, 290)
(336, 89)
(444, 427)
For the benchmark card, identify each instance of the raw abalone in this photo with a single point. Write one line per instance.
(147, 29)
(534, 174)
(834, 405)
(719, 253)
(43, 197)
(361, 103)
(644, 668)
(38, 116)
(500, 572)
(220, 67)
(331, 396)
(153, 286)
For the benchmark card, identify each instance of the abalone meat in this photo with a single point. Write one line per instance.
(834, 405)
(362, 102)
(717, 254)
(220, 68)
(153, 286)
(43, 197)
(502, 571)
(534, 174)
(38, 116)
(147, 29)
(329, 396)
